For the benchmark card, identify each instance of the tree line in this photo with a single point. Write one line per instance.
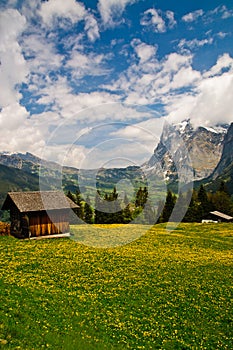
(192, 206)
(197, 205)
(109, 208)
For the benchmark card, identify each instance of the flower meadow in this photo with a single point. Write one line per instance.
(165, 290)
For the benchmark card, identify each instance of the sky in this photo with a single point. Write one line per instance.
(90, 83)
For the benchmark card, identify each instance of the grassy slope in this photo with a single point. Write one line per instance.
(167, 290)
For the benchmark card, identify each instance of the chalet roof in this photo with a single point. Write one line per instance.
(221, 215)
(38, 201)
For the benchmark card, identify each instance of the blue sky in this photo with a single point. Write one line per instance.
(90, 82)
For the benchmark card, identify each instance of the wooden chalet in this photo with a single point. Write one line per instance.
(35, 214)
(221, 217)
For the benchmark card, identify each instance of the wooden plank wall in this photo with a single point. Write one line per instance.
(40, 224)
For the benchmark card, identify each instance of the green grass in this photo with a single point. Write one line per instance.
(166, 290)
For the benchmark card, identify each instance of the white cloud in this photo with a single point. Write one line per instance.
(224, 62)
(52, 10)
(41, 52)
(222, 35)
(186, 76)
(58, 12)
(151, 81)
(77, 107)
(91, 27)
(147, 132)
(13, 67)
(214, 101)
(86, 64)
(192, 44)
(226, 13)
(111, 10)
(65, 155)
(185, 92)
(192, 16)
(211, 100)
(17, 132)
(157, 20)
(143, 51)
(153, 18)
(171, 19)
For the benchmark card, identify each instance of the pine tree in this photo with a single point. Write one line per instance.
(149, 214)
(222, 201)
(79, 202)
(204, 203)
(141, 197)
(98, 214)
(71, 196)
(223, 188)
(88, 212)
(168, 206)
(192, 213)
(126, 214)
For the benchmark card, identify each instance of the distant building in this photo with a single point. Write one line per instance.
(35, 214)
(220, 217)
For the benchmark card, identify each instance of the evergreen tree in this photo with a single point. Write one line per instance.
(168, 206)
(204, 204)
(222, 201)
(149, 214)
(223, 188)
(98, 217)
(180, 208)
(71, 196)
(88, 213)
(108, 210)
(79, 202)
(126, 212)
(141, 197)
(192, 213)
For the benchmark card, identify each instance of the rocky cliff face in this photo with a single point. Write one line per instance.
(226, 159)
(11, 160)
(183, 147)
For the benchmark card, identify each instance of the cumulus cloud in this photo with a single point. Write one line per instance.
(143, 51)
(210, 103)
(91, 27)
(171, 19)
(41, 53)
(183, 91)
(224, 63)
(157, 20)
(194, 43)
(13, 67)
(58, 12)
(146, 132)
(192, 16)
(28, 136)
(149, 81)
(222, 10)
(153, 19)
(218, 90)
(53, 10)
(111, 10)
(86, 64)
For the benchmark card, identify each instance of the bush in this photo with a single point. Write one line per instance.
(4, 229)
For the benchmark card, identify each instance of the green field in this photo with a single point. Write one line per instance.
(165, 290)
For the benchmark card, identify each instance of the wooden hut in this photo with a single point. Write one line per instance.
(35, 214)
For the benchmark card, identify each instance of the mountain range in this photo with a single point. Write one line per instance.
(203, 153)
